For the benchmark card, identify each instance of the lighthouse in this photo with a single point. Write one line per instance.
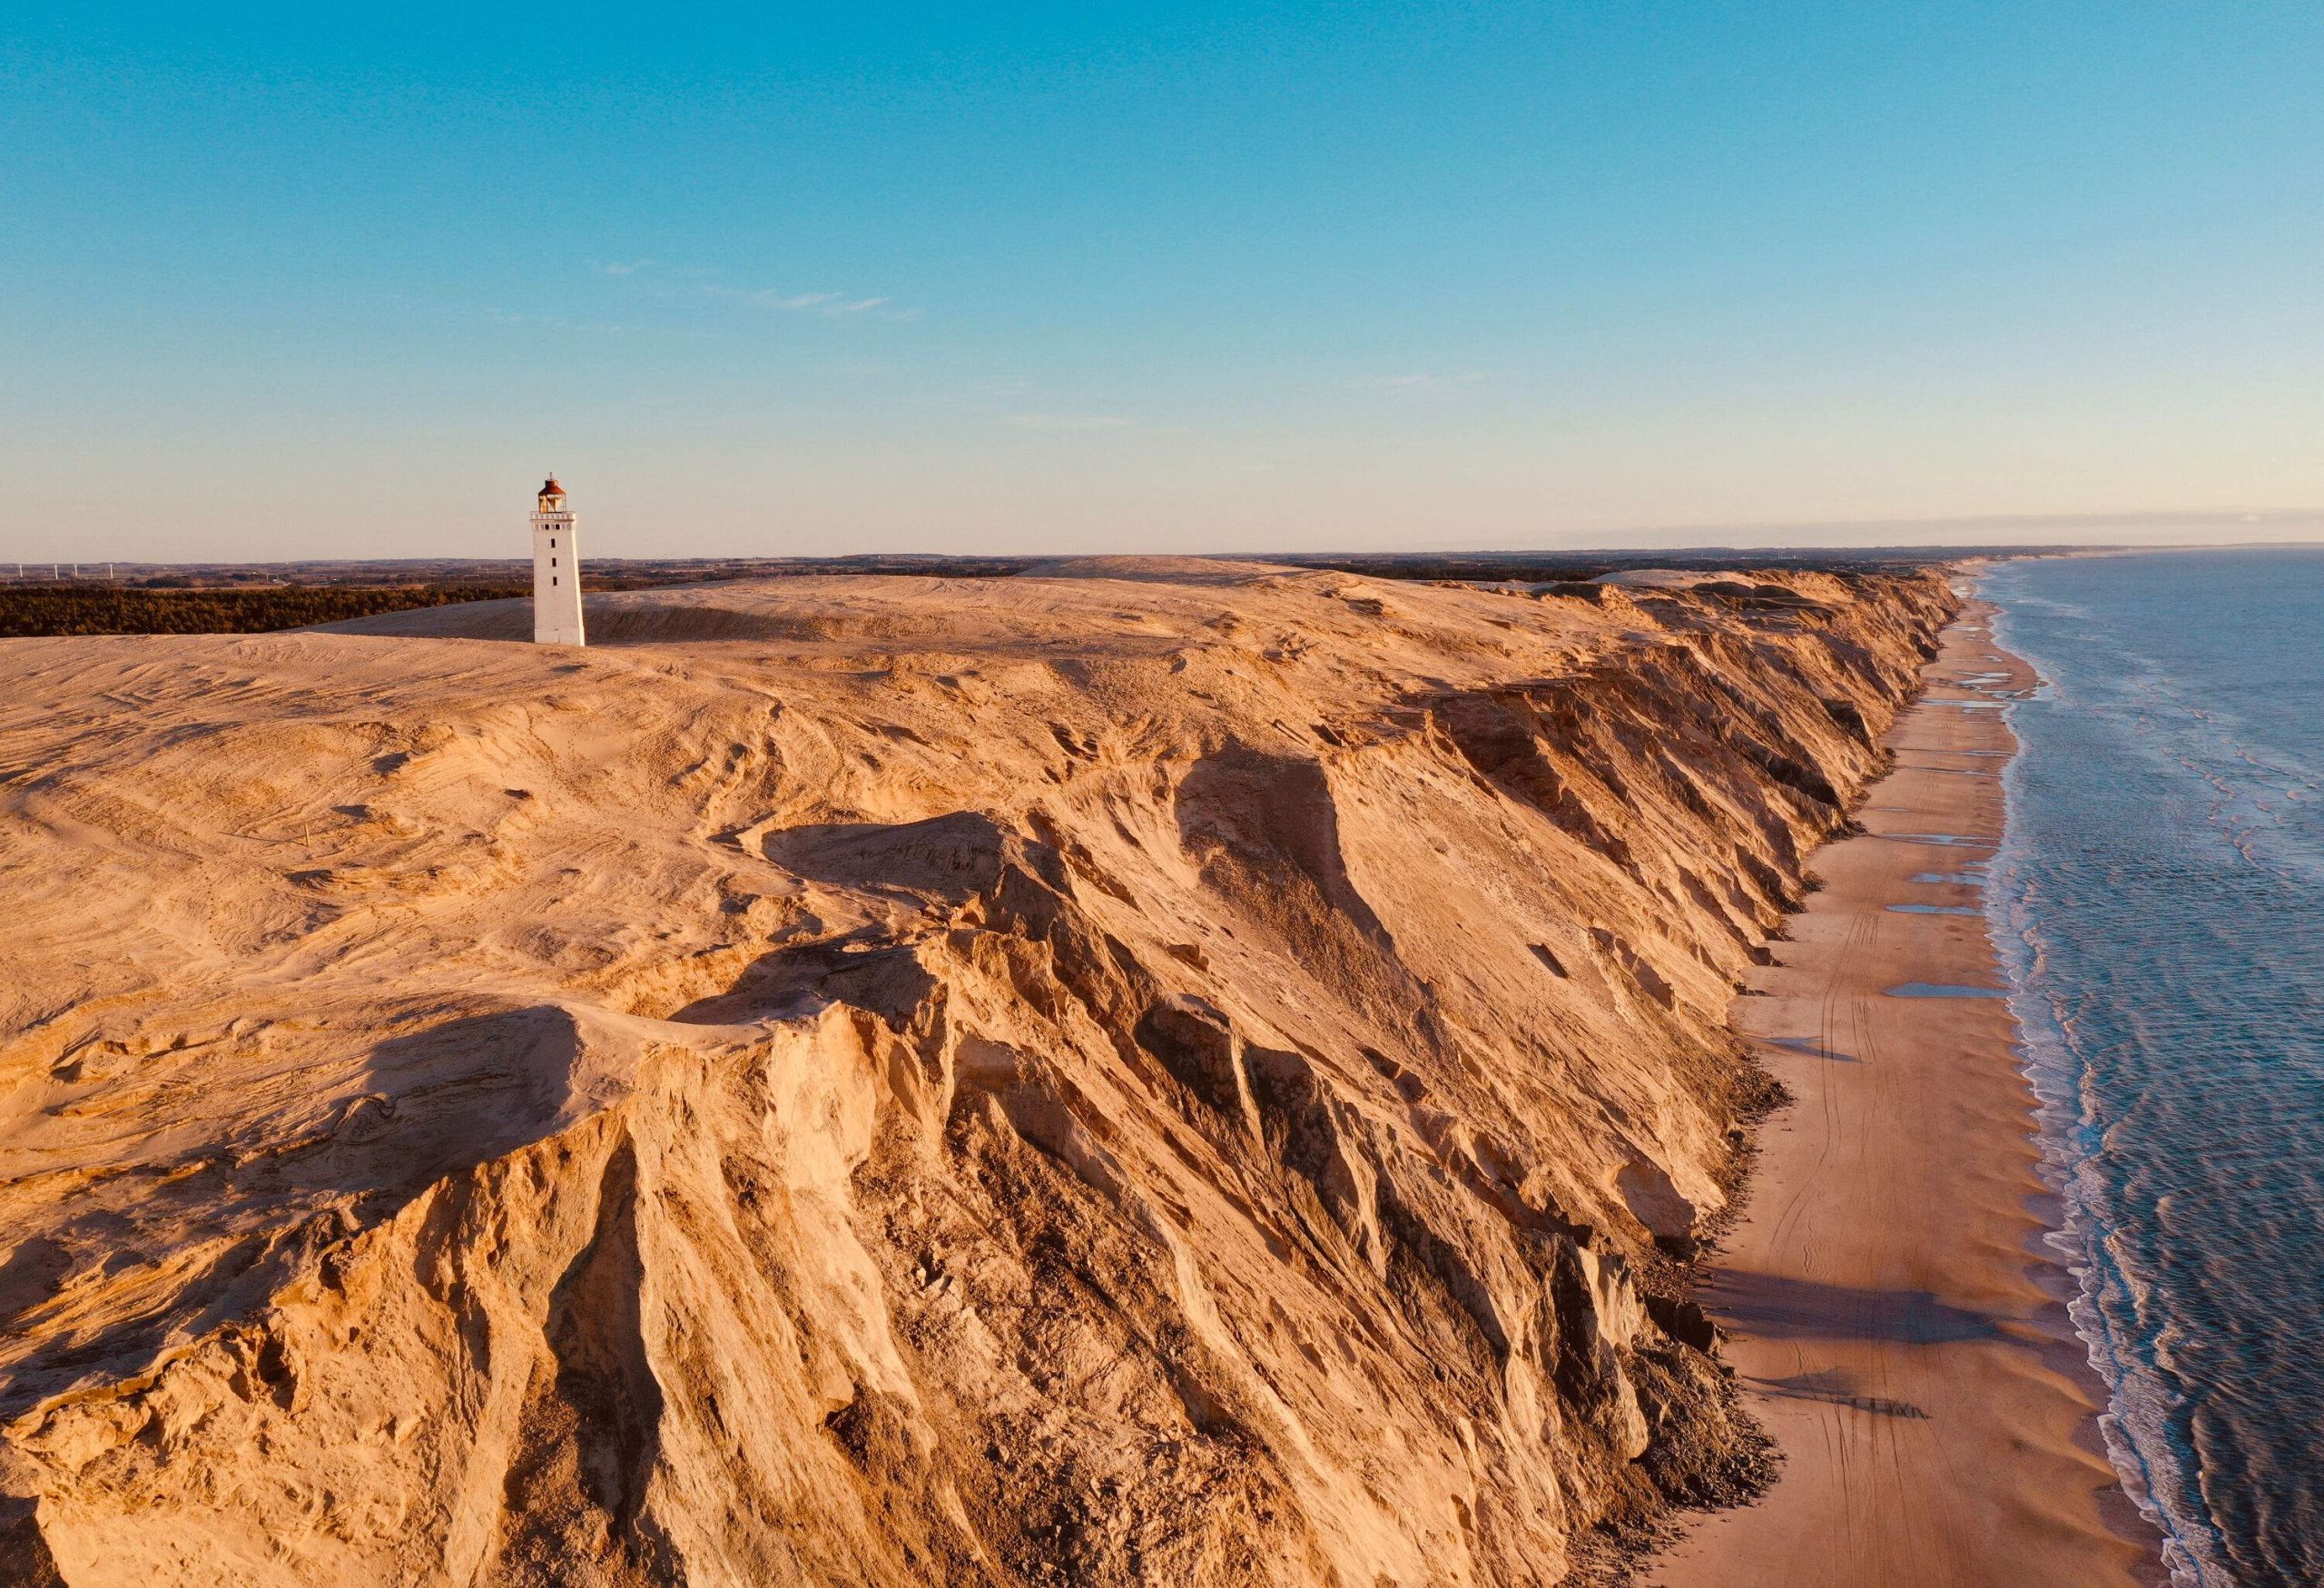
(556, 570)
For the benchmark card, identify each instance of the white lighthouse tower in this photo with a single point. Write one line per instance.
(556, 570)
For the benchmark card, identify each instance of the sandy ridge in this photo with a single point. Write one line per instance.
(1144, 1072)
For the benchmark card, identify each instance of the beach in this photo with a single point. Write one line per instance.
(1894, 1319)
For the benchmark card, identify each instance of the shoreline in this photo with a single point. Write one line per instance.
(1897, 1318)
(2132, 1509)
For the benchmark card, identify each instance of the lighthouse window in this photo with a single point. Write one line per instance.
(552, 579)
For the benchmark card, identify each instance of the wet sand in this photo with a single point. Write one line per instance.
(1894, 1321)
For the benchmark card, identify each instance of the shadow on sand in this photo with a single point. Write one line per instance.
(1778, 1308)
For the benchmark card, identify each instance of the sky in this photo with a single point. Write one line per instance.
(288, 281)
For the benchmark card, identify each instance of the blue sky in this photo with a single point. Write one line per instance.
(1164, 277)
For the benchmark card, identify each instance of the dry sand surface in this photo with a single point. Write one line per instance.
(1143, 1072)
(1892, 1314)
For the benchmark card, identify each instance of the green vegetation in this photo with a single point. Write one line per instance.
(44, 609)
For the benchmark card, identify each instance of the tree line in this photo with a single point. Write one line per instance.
(55, 609)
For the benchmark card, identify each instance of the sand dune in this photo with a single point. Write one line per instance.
(1145, 1073)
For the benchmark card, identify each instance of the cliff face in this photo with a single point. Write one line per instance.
(1165, 1073)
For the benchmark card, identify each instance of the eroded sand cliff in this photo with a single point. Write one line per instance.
(1156, 1073)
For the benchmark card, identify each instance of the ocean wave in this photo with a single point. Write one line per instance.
(2137, 1425)
(2157, 909)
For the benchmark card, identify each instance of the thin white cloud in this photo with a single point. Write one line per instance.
(825, 305)
(696, 282)
(549, 321)
(1422, 382)
(1083, 422)
(706, 283)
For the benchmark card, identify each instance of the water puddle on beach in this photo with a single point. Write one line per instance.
(1968, 879)
(1947, 838)
(1942, 990)
(1934, 909)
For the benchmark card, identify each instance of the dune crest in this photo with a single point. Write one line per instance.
(1168, 1073)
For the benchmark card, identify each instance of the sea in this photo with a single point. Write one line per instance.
(2159, 901)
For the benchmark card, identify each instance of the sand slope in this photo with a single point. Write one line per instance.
(1150, 1072)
